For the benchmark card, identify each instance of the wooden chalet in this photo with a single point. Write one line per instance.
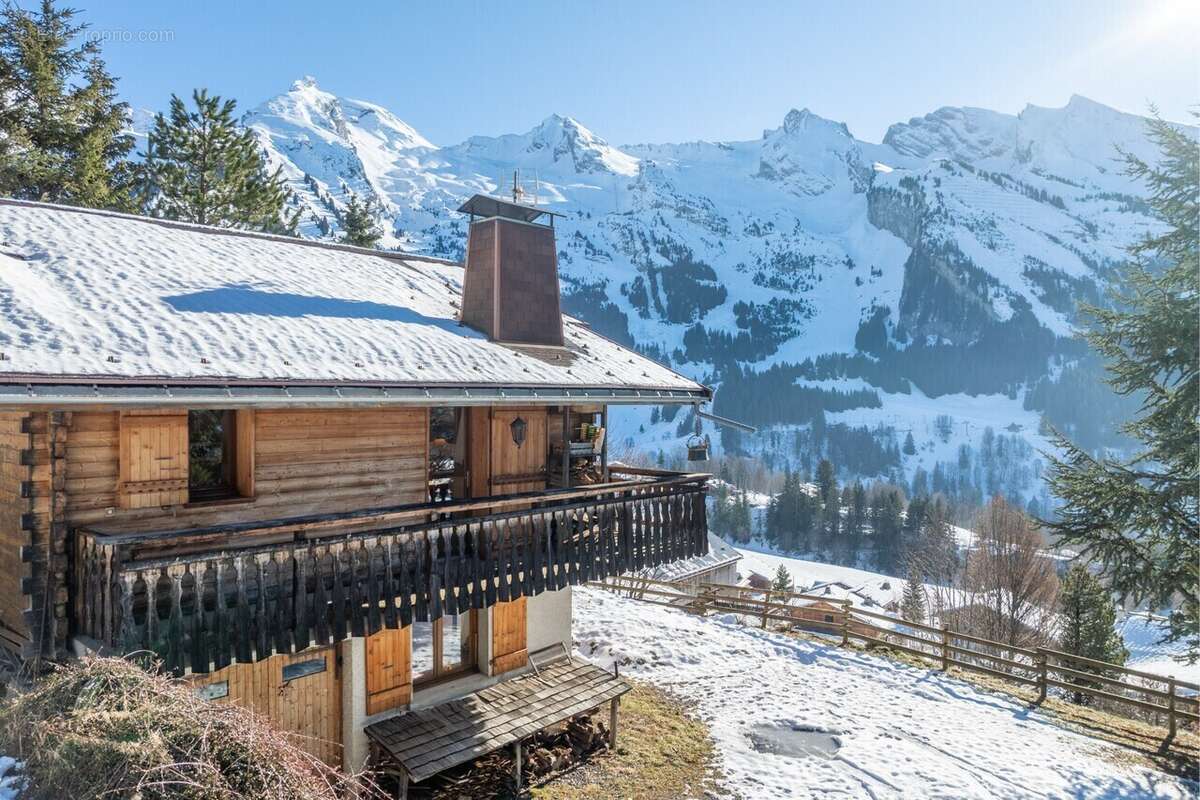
(351, 489)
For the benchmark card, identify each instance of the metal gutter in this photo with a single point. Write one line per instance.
(233, 394)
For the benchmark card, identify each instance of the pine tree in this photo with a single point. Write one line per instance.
(912, 603)
(1140, 518)
(62, 133)
(202, 167)
(101, 177)
(910, 446)
(783, 580)
(1088, 622)
(359, 228)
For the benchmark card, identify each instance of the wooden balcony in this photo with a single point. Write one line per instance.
(203, 598)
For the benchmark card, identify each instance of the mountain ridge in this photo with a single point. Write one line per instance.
(834, 290)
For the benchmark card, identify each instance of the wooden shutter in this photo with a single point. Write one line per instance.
(154, 459)
(389, 669)
(508, 636)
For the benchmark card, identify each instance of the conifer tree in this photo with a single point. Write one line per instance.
(910, 446)
(1140, 518)
(1088, 622)
(782, 581)
(359, 228)
(101, 177)
(202, 167)
(912, 603)
(62, 130)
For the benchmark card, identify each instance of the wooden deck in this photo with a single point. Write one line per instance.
(426, 742)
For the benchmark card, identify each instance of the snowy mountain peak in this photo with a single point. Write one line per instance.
(797, 123)
(811, 155)
(959, 134)
(306, 108)
(558, 145)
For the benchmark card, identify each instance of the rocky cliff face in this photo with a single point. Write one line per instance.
(839, 285)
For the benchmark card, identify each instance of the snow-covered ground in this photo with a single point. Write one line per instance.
(1141, 633)
(875, 728)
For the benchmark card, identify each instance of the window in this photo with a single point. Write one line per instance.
(220, 455)
(211, 446)
(443, 648)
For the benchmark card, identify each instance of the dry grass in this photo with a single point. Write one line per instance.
(107, 728)
(662, 754)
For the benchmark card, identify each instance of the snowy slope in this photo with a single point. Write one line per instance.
(965, 230)
(1141, 633)
(895, 731)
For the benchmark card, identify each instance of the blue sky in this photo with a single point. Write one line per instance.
(654, 71)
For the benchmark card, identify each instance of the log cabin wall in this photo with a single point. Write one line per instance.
(305, 462)
(16, 506)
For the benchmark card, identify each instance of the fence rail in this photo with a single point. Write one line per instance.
(1041, 668)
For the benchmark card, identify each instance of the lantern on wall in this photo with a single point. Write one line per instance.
(518, 428)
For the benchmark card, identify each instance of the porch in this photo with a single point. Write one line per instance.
(203, 598)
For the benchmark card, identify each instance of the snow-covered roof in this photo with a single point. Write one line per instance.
(719, 554)
(97, 298)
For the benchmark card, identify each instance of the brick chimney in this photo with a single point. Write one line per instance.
(511, 287)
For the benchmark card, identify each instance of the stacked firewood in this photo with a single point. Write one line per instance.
(542, 755)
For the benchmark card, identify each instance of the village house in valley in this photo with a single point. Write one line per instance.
(351, 489)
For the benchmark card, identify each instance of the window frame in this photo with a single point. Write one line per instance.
(224, 488)
(237, 463)
(440, 673)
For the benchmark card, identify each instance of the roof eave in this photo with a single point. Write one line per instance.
(80, 392)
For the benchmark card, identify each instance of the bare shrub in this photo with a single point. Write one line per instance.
(106, 727)
(1010, 585)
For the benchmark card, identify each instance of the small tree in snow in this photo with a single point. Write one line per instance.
(782, 582)
(358, 225)
(912, 605)
(1088, 623)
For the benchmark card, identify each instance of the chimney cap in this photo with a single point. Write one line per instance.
(482, 205)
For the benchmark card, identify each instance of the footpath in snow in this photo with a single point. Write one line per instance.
(794, 718)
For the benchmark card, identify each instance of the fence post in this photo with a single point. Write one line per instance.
(945, 647)
(766, 608)
(1170, 712)
(845, 623)
(1041, 662)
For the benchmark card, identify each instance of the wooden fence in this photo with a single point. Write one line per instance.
(1040, 668)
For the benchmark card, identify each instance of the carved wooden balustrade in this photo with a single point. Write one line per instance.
(208, 605)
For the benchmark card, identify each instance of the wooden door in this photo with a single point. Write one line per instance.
(509, 636)
(299, 694)
(389, 669)
(518, 467)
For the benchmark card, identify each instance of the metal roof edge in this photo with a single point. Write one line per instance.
(236, 394)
